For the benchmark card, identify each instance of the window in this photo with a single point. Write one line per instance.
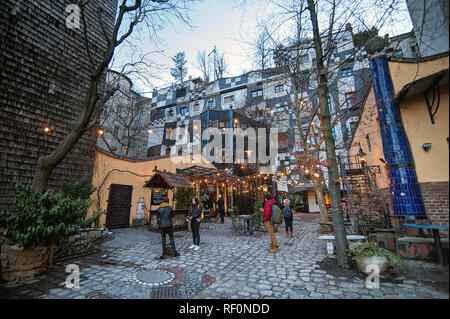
(228, 99)
(196, 106)
(330, 106)
(257, 93)
(314, 62)
(334, 52)
(281, 113)
(347, 72)
(170, 112)
(116, 131)
(180, 92)
(304, 59)
(369, 145)
(279, 88)
(183, 111)
(169, 131)
(333, 131)
(211, 103)
(353, 126)
(124, 150)
(126, 132)
(282, 140)
(181, 131)
(350, 99)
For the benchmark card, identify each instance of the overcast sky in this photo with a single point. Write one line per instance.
(215, 23)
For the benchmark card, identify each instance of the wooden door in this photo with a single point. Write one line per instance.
(119, 205)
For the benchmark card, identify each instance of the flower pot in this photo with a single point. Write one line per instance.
(19, 264)
(380, 261)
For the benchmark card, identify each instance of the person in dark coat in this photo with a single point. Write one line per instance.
(195, 218)
(221, 207)
(164, 215)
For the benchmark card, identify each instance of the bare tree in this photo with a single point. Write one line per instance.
(131, 16)
(220, 64)
(204, 65)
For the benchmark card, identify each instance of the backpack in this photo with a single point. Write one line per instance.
(287, 212)
(277, 217)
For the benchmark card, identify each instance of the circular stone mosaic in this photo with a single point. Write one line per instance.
(153, 277)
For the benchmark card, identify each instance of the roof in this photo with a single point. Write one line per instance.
(164, 179)
(197, 171)
(423, 85)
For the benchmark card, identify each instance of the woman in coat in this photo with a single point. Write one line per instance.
(195, 218)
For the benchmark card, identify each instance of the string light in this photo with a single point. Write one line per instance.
(46, 129)
(101, 132)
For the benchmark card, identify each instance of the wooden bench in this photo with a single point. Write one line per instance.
(330, 241)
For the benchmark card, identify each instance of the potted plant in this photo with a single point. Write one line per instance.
(368, 254)
(43, 220)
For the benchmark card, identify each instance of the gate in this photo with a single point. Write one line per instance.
(119, 205)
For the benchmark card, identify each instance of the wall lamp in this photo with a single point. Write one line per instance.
(426, 146)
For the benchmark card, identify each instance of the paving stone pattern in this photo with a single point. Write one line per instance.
(227, 266)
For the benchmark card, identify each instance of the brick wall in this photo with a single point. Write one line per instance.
(435, 197)
(44, 75)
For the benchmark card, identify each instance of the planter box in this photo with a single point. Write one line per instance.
(19, 264)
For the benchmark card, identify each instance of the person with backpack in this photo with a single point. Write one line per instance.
(288, 217)
(195, 218)
(165, 226)
(267, 214)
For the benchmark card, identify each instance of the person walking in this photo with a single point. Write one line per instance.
(164, 215)
(195, 218)
(221, 207)
(288, 217)
(269, 225)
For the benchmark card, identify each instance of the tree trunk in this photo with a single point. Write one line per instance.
(334, 184)
(317, 187)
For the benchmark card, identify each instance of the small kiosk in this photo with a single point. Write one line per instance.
(160, 184)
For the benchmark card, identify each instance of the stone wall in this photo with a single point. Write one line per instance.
(44, 76)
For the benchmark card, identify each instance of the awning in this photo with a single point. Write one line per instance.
(422, 85)
(167, 180)
(429, 86)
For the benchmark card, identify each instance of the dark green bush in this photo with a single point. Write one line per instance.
(183, 198)
(44, 217)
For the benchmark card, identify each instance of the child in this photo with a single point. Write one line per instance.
(287, 214)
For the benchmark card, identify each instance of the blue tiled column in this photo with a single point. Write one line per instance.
(405, 190)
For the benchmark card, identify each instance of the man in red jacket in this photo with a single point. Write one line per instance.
(269, 226)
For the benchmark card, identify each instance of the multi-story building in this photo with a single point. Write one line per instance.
(264, 96)
(124, 120)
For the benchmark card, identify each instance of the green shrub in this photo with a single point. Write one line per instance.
(43, 217)
(183, 197)
(369, 250)
(84, 189)
(257, 206)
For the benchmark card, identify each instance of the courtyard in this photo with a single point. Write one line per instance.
(227, 266)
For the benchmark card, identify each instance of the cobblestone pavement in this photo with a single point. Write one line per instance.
(228, 265)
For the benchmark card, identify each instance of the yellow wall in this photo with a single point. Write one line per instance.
(113, 170)
(431, 166)
(369, 125)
